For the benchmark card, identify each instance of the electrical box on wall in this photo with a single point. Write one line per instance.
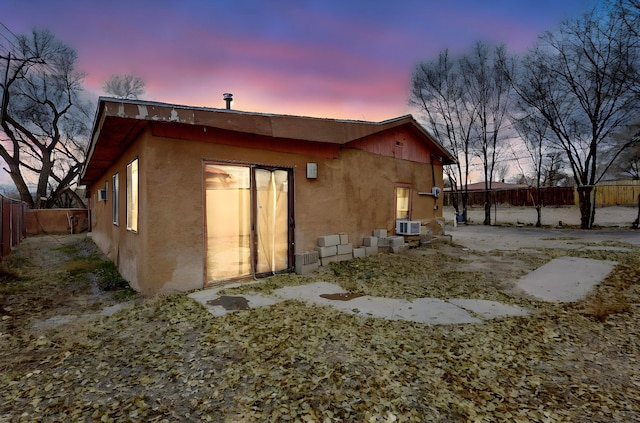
(312, 170)
(102, 195)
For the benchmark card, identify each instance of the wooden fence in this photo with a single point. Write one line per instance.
(13, 224)
(616, 193)
(610, 193)
(521, 197)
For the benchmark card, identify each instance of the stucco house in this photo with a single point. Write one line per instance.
(181, 197)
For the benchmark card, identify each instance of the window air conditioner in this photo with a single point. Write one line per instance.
(407, 227)
(102, 195)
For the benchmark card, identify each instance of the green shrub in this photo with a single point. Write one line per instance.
(108, 278)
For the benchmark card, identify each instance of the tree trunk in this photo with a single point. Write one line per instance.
(487, 208)
(538, 207)
(454, 201)
(584, 201)
(465, 202)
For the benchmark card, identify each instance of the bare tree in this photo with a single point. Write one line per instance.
(552, 170)
(628, 164)
(437, 89)
(44, 123)
(582, 80)
(124, 86)
(629, 14)
(534, 132)
(488, 87)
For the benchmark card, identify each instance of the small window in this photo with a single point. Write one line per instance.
(114, 196)
(403, 202)
(132, 196)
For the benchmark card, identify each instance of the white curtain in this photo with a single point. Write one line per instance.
(272, 215)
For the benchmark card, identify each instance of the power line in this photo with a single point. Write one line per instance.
(7, 38)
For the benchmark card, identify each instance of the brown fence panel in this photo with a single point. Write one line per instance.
(520, 197)
(6, 227)
(13, 224)
(16, 223)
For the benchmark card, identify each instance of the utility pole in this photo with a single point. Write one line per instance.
(4, 87)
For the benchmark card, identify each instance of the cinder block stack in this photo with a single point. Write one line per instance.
(333, 248)
(359, 252)
(370, 244)
(389, 244)
(307, 262)
(336, 248)
(328, 249)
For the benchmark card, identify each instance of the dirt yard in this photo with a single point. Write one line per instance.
(76, 345)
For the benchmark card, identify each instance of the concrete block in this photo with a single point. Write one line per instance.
(328, 240)
(371, 250)
(395, 241)
(304, 269)
(345, 257)
(380, 233)
(327, 251)
(344, 238)
(329, 259)
(370, 241)
(306, 257)
(345, 249)
(383, 241)
(359, 252)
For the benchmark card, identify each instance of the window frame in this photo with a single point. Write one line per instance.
(133, 189)
(409, 202)
(115, 209)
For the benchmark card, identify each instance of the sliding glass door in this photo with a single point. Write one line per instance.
(272, 215)
(228, 223)
(248, 220)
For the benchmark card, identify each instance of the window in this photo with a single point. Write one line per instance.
(114, 197)
(132, 196)
(403, 202)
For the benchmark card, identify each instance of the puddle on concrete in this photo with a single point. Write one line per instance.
(343, 296)
(229, 302)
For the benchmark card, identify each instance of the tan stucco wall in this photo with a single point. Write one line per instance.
(123, 247)
(56, 221)
(353, 194)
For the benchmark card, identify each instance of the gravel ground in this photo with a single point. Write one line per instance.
(614, 216)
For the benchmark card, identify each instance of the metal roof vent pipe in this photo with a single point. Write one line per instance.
(228, 98)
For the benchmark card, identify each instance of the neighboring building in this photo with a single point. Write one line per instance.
(184, 196)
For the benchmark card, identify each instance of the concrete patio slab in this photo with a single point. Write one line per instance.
(565, 279)
(421, 310)
(489, 309)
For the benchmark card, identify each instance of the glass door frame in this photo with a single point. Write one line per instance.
(253, 219)
(290, 219)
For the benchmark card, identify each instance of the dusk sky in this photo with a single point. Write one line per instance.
(343, 59)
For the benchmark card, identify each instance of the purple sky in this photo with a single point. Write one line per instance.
(326, 58)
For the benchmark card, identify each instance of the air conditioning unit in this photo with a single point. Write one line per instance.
(435, 191)
(407, 227)
(102, 195)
